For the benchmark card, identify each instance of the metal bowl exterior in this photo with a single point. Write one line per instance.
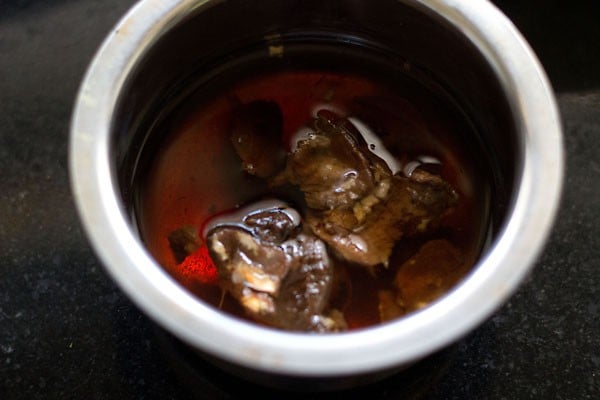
(391, 345)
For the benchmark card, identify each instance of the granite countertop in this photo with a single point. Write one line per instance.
(67, 332)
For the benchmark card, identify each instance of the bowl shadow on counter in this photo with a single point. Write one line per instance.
(154, 364)
(203, 377)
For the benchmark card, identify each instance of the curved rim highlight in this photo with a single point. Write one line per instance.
(496, 277)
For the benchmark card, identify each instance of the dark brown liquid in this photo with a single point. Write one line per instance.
(196, 173)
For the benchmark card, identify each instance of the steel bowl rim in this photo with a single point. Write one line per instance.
(497, 276)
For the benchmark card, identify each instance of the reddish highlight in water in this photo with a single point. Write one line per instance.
(199, 267)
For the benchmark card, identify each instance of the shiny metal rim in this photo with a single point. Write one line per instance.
(498, 275)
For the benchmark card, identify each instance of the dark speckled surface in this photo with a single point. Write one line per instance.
(67, 332)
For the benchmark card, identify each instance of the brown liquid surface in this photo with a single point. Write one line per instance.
(197, 174)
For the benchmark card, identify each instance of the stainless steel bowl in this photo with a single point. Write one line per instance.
(469, 46)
